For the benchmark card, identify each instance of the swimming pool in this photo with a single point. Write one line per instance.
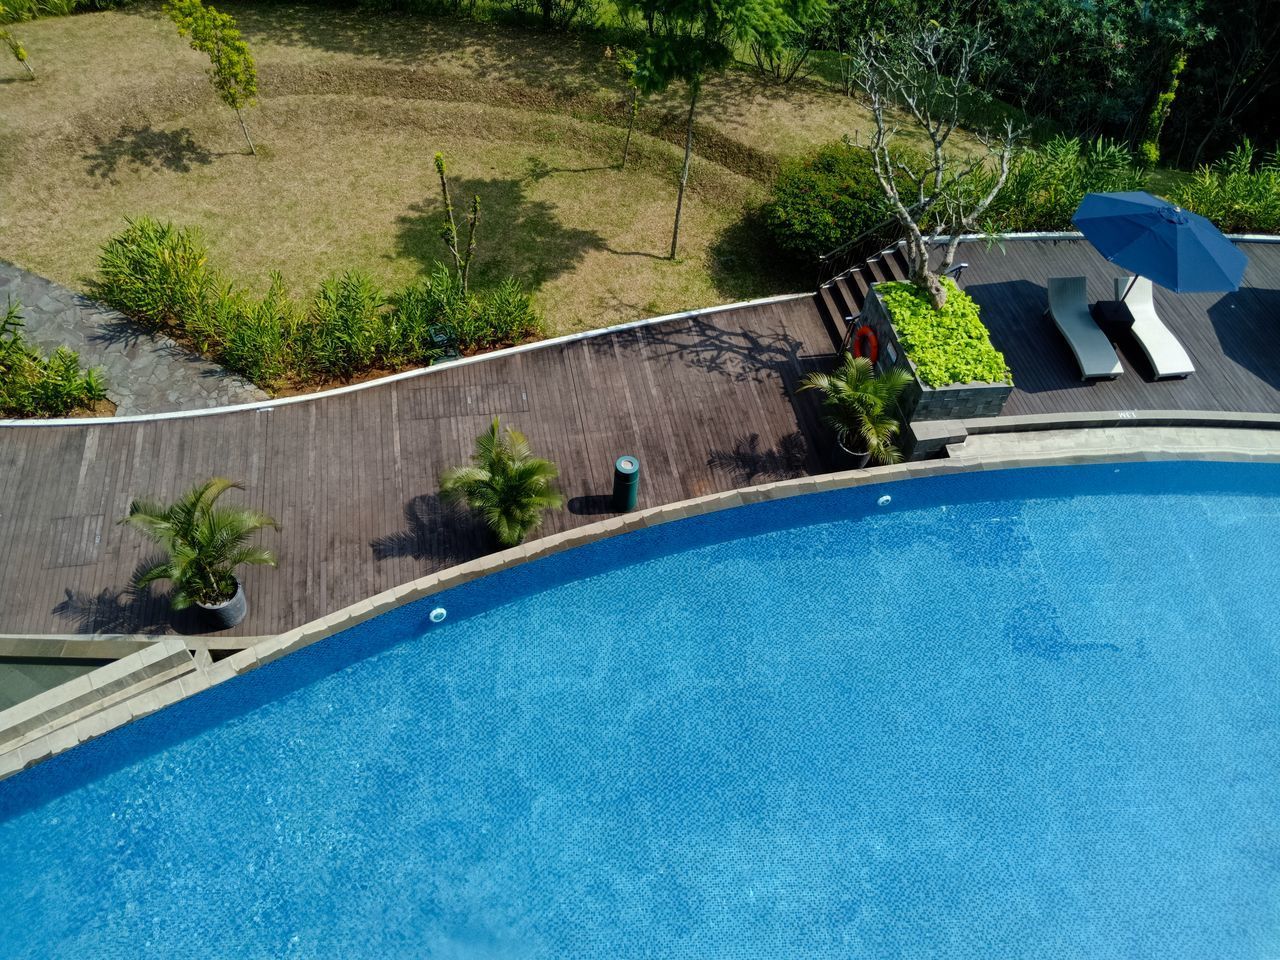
(1020, 714)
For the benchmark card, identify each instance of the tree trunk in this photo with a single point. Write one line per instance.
(631, 125)
(546, 14)
(684, 171)
(245, 130)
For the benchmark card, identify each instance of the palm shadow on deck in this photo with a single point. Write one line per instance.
(434, 531)
(126, 610)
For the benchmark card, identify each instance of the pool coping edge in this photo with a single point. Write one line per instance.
(269, 649)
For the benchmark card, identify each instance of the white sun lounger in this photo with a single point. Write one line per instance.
(1069, 308)
(1168, 358)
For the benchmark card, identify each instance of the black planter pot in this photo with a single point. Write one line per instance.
(846, 459)
(223, 616)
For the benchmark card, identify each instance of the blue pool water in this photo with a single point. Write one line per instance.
(1030, 714)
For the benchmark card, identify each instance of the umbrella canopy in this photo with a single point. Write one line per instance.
(1152, 238)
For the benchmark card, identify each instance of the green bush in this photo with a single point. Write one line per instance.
(947, 346)
(17, 11)
(156, 273)
(259, 338)
(824, 200)
(344, 328)
(1235, 196)
(35, 386)
(160, 276)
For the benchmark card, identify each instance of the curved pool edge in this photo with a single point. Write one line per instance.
(267, 650)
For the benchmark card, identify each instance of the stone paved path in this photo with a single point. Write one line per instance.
(144, 373)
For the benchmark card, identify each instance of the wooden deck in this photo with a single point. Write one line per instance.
(707, 404)
(1233, 339)
(352, 478)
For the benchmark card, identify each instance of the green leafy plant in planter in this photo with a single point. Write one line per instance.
(947, 346)
(861, 408)
(506, 485)
(201, 545)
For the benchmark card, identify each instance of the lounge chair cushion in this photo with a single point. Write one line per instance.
(1167, 356)
(1069, 307)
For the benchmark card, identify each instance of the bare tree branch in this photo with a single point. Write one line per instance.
(931, 76)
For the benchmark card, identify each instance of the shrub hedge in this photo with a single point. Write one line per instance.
(947, 346)
(824, 200)
(1233, 194)
(159, 275)
(1046, 184)
(36, 386)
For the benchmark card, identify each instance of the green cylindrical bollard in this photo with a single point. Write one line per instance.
(626, 484)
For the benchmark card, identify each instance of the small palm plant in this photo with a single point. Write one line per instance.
(202, 544)
(506, 485)
(860, 406)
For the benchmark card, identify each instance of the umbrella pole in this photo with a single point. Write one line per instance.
(1132, 281)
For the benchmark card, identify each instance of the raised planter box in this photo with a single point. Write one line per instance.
(956, 401)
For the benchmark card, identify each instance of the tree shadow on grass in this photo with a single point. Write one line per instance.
(493, 51)
(517, 236)
(744, 264)
(147, 148)
(435, 531)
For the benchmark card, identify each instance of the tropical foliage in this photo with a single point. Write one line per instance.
(1047, 183)
(36, 386)
(1234, 194)
(201, 543)
(830, 197)
(159, 275)
(19, 11)
(947, 346)
(505, 485)
(861, 407)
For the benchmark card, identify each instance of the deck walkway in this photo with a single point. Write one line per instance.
(352, 478)
(707, 404)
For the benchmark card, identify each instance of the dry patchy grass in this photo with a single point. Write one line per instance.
(121, 122)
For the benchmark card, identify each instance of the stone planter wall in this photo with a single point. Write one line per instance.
(956, 401)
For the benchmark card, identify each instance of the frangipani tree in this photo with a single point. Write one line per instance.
(231, 68)
(689, 39)
(933, 77)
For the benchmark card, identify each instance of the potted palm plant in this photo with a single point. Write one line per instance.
(202, 544)
(506, 485)
(861, 408)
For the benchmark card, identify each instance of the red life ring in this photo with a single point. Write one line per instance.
(865, 343)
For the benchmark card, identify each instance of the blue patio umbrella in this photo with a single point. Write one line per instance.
(1152, 238)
